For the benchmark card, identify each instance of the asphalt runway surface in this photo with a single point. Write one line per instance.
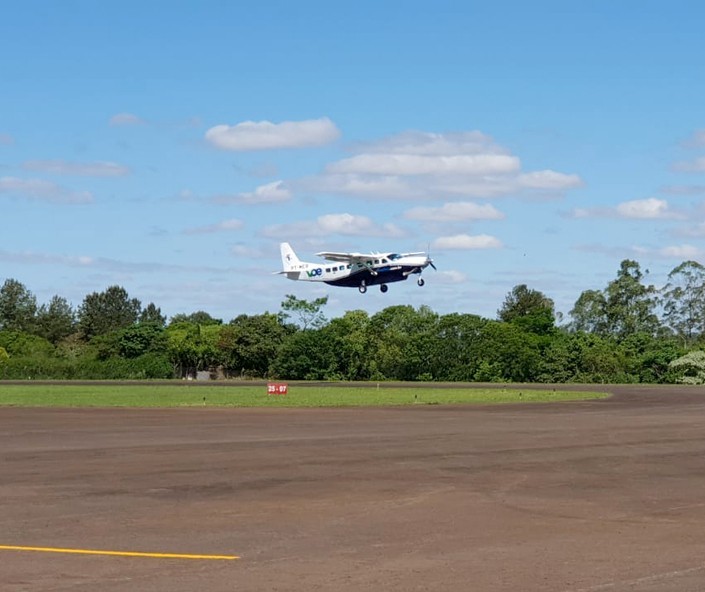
(588, 496)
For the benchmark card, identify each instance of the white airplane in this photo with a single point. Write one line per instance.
(355, 270)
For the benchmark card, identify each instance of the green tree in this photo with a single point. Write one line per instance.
(182, 347)
(583, 357)
(590, 313)
(683, 299)
(400, 343)
(690, 368)
(530, 309)
(199, 317)
(142, 338)
(352, 344)
(307, 355)
(74, 348)
(629, 303)
(648, 357)
(18, 307)
(309, 314)
(192, 347)
(152, 314)
(103, 312)
(56, 320)
(625, 307)
(250, 343)
(457, 347)
(25, 345)
(510, 353)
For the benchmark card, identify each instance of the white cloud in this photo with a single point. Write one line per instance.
(636, 209)
(546, 181)
(681, 252)
(696, 165)
(125, 119)
(428, 143)
(6, 140)
(83, 169)
(224, 226)
(361, 186)
(43, 190)
(265, 135)
(467, 242)
(273, 192)
(420, 165)
(549, 180)
(453, 212)
(645, 209)
(342, 224)
(482, 187)
(416, 164)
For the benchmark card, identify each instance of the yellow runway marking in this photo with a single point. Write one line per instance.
(118, 553)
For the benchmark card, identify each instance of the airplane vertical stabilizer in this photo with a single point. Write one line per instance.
(289, 259)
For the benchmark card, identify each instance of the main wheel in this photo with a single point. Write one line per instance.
(363, 289)
(384, 288)
(420, 282)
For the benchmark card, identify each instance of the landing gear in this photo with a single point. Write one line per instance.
(362, 287)
(384, 288)
(420, 282)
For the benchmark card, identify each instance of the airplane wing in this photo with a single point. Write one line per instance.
(348, 257)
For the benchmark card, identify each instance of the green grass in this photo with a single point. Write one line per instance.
(146, 395)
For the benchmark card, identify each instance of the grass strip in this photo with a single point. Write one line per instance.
(44, 395)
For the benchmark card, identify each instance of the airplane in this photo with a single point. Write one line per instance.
(355, 270)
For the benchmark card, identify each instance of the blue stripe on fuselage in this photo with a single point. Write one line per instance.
(385, 275)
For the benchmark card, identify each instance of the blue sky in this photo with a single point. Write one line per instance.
(168, 147)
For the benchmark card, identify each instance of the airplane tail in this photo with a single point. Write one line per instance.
(290, 261)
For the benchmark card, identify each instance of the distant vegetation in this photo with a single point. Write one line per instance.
(626, 332)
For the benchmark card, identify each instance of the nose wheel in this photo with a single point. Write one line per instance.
(384, 288)
(420, 282)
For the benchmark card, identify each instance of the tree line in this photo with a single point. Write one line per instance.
(628, 331)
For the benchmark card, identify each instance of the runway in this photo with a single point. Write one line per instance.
(573, 497)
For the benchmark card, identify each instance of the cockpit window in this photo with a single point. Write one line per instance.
(393, 256)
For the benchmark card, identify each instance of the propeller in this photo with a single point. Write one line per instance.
(428, 258)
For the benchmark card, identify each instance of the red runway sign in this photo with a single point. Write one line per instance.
(277, 388)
